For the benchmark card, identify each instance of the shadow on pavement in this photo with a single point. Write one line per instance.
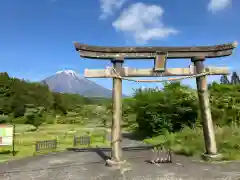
(101, 152)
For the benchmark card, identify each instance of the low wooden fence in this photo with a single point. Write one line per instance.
(45, 145)
(82, 140)
(87, 139)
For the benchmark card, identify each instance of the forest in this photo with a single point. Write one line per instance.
(29, 102)
(169, 115)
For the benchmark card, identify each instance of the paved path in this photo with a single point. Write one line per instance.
(90, 166)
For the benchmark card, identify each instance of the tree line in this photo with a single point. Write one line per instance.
(234, 79)
(19, 98)
(151, 110)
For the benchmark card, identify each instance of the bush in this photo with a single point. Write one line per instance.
(167, 110)
(225, 104)
(35, 116)
(19, 120)
(50, 120)
(190, 142)
(4, 119)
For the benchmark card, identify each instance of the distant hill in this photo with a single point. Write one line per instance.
(69, 81)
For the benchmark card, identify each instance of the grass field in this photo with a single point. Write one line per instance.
(190, 142)
(25, 138)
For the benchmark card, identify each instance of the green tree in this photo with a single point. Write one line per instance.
(17, 94)
(224, 79)
(169, 109)
(235, 78)
(59, 104)
(35, 116)
(5, 94)
(225, 104)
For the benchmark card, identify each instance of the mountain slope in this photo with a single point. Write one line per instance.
(69, 82)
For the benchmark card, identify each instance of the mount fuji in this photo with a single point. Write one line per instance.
(69, 81)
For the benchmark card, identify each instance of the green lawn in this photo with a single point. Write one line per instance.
(25, 138)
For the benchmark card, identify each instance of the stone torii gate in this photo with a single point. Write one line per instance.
(197, 54)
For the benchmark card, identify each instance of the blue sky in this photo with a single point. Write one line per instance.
(36, 35)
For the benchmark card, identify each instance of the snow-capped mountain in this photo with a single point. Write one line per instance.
(69, 81)
(68, 72)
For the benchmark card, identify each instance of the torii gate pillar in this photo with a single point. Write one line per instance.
(206, 117)
(117, 112)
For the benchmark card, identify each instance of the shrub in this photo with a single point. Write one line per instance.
(166, 110)
(225, 104)
(35, 116)
(4, 119)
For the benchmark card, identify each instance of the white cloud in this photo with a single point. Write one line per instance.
(143, 22)
(217, 5)
(109, 6)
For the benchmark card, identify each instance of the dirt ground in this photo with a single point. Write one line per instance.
(90, 166)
